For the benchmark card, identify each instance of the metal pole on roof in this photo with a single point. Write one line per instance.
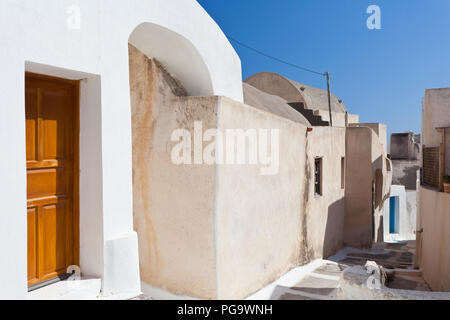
(329, 97)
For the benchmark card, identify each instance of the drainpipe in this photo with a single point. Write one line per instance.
(329, 97)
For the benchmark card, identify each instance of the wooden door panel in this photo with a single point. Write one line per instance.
(53, 240)
(51, 124)
(32, 243)
(31, 123)
(48, 182)
(55, 124)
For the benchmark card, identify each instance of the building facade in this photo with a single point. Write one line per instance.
(433, 220)
(400, 213)
(41, 38)
(116, 118)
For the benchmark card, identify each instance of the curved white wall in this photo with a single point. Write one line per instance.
(176, 54)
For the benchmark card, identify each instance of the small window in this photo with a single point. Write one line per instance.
(318, 176)
(342, 173)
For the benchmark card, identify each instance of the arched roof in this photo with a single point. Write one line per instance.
(292, 91)
(271, 103)
(177, 54)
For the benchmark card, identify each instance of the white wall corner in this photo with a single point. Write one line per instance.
(121, 273)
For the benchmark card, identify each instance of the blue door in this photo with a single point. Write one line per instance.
(394, 215)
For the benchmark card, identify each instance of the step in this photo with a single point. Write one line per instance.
(85, 289)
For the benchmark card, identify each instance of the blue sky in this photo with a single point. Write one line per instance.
(379, 74)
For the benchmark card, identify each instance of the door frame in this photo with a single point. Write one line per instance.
(76, 157)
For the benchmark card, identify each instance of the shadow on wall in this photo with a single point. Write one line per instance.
(380, 231)
(333, 240)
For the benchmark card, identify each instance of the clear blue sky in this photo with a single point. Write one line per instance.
(379, 74)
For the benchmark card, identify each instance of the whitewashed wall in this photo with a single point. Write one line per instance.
(35, 38)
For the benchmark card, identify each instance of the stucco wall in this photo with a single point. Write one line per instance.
(358, 192)
(405, 173)
(379, 128)
(173, 205)
(339, 118)
(435, 113)
(410, 221)
(435, 253)
(324, 215)
(224, 231)
(258, 218)
(37, 39)
(447, 152)
(270, 224)
(405, 146)
(382, 176)
(366, 165)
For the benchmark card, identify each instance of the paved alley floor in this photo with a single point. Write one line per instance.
(321, 283)
(319, 280)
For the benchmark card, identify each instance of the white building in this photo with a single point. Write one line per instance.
(86, 41)
(93, 91)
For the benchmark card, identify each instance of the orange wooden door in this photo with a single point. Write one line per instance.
(52, 166)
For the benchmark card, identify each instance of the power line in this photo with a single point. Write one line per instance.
(324, 74)
(275, 58)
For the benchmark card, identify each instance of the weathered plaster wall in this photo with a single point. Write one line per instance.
(447, 152)
(435, 253)
(353, 118)
(365, 154)
(382, 177)
(324, 215)
(313, 98)
(358, 192)
(270, 224)
(435, 113)
(339, 118)
(173, 205)
(99, 49)
(405, 146)
(410, 220)
(272, 104)
(258, 218)
(379, 128)
(405, 173)
(225, 231)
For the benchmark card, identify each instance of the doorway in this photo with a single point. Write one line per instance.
(394, 215)
(52, 127)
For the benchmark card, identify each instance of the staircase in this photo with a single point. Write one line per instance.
(309, 114)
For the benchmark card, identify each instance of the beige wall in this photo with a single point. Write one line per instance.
(382, 164)
(324, 214)
(365, 155)
(258, 218)
(267, 225)
(173, 205)
(447, 152)
(358, 192)
(225, 231)
(353, 118)
(379, 129)
(435, 253)
(435, 113)
(339, 118)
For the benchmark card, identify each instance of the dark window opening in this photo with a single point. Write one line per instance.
(318, 176)
(342, 173)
